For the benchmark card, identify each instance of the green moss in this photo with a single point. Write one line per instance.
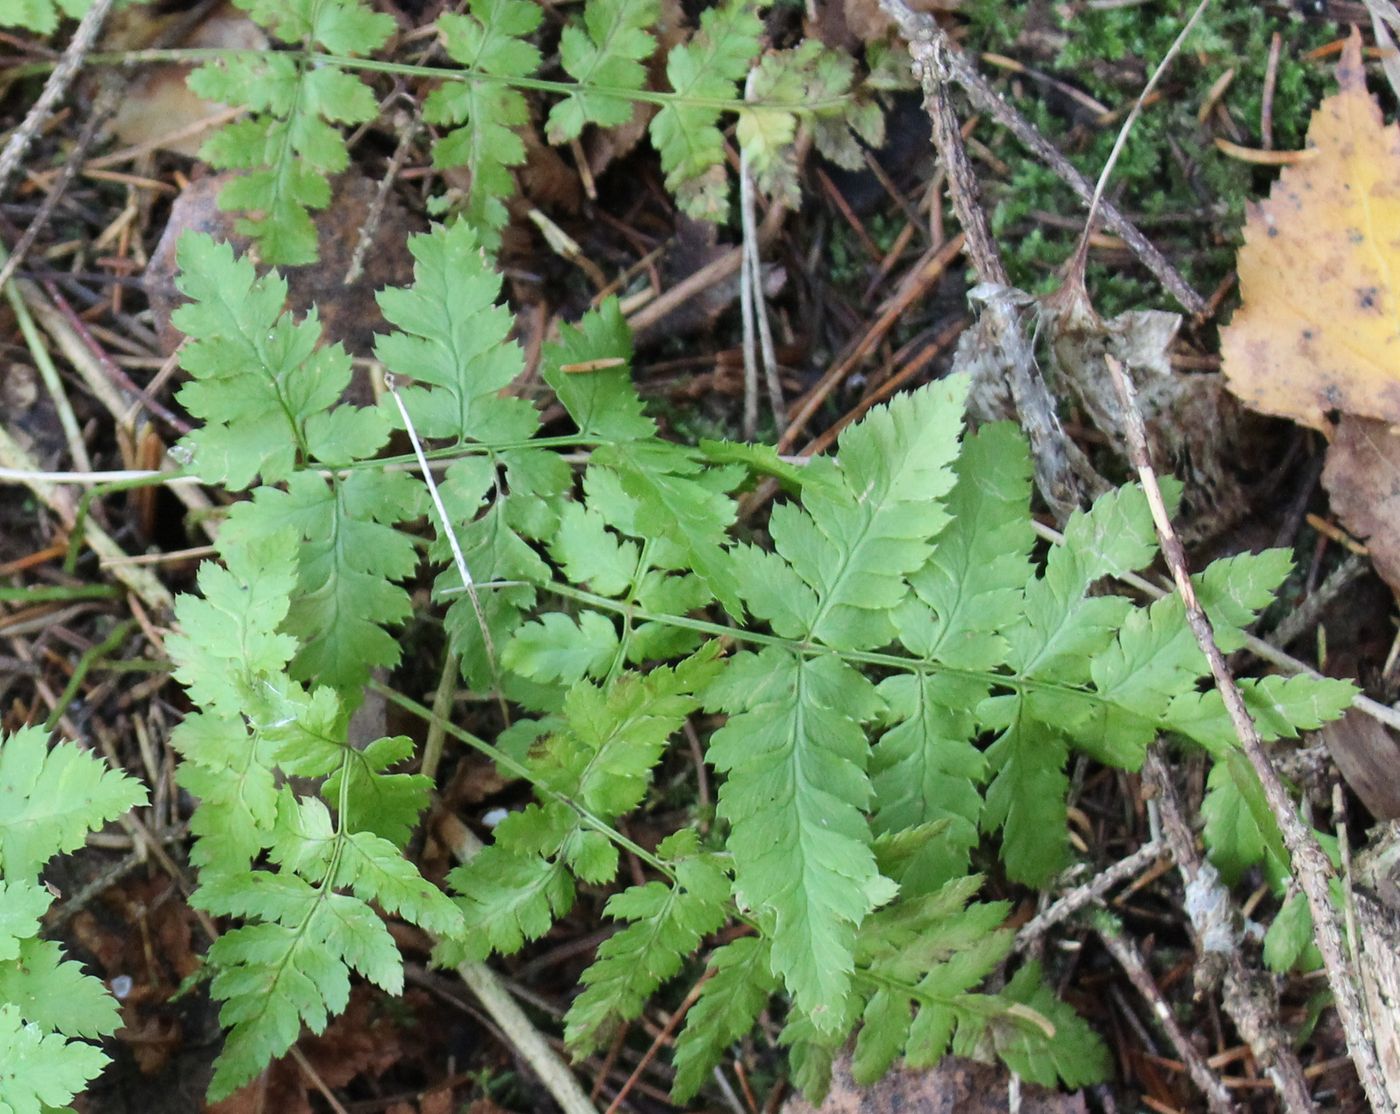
(1187, 196)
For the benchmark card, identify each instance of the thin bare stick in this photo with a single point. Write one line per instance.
(746, 305)
(408, 133)
(524, 1037)
(1002, 326)
(749, 220)
(54, 89)
(922, 32)
(1087, 892)
(1310, 864)
(1249, 998)
(101, 109)
(1135, 967)
(1081, 250)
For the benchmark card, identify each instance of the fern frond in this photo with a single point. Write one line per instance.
(686, 134)
(664, 484)
(925, 767)
(605, 57)
(1064, 1051)
(602, 402)
(259, 383)
(793, 753)
(484, 112)
(292, 964)
(289, 144)
(731, 998)
(40, 16)
(350, 563)
(794, 749)
(786, 86)
(50, 798)
(666, 924)
(41, 1071)
(599, 759)
(451, 338)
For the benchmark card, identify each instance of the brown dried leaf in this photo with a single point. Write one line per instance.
(157, 106)
(1367, 755)
(1363, 479)
(1193, 427)
(1318, 329)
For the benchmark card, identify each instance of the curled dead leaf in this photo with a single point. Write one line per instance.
(1318, 331)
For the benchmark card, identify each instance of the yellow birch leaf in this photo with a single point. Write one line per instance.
(1319, 330)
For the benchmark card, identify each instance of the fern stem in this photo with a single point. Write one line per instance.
(520, 770)
(438, 73)
(813, 649)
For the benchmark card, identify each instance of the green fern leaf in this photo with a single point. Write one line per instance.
(602, 402)
(1069, 1053)
(508, 898)
(55, 995)
(41, 1071)
(338, 26)
(924, 957)
(667, 923)
(925, 767)
(452, 338)
(375, 870)
(41, 17)
(559, 648)
(22, 903)
(51, 798)
(490, 42)
(350, 557)
(729, 1004)
(670, 487)
(794, 754)
(259, 383)
(685, 132)
(971, 587)
(289, 143)
(386, 804)
(855, 550)
(1063, 629)
(590, 554)
(605, 57)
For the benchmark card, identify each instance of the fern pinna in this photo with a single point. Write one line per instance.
(896, 673)
(300, 98)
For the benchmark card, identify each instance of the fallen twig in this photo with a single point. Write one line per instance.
(54, 89)
(1248, 999)
(1135, 967)
(1309, 863)
(925, 36)
(1008, 347)
(523, 1036)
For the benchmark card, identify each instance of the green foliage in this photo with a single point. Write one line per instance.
(289, 143)
(485, 113)
(39, 16)
(50, 798)
(299, 101)
(605, 57)
(902, 674)
(290, 963)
